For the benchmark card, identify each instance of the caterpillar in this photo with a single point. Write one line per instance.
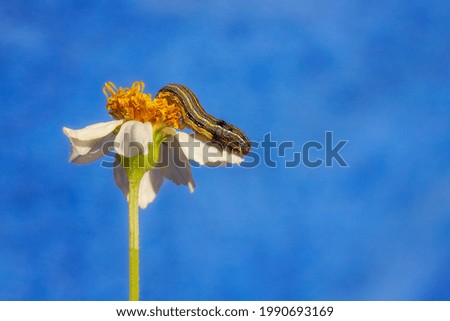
(197, 119)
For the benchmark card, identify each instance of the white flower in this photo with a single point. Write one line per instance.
(92, 142)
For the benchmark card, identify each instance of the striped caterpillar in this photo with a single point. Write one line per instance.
(197, 119)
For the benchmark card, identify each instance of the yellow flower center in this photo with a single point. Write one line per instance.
(133, 104)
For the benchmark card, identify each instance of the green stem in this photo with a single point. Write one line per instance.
(133, 217)
(136, 167)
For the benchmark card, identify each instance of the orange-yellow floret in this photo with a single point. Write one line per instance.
(133, 104)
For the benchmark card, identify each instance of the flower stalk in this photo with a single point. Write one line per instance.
(133, 222)
(135, 168)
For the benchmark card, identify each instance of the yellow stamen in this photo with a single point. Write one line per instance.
(133, 104)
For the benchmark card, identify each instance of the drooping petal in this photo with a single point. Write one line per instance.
(88, 143)
(150, 184)
(121, 178)
(148, 188)
(204, 152)
(133, 138)
(174, 164)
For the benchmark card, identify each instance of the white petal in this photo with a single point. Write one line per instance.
(150, 184)
(174, 164)
(87, 143)
(133, 138)
(121, 178)
(149, 187)
(93, 131)
(205, 152)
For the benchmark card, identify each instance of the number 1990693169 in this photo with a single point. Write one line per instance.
(305, 311)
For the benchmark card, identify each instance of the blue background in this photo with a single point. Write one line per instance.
(376, 73)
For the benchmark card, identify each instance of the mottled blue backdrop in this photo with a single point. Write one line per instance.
(375, 73)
